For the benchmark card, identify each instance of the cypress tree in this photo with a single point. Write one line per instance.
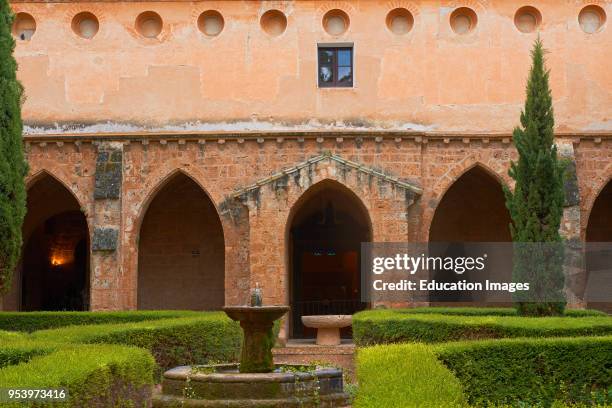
(13, 167)
(536, 205)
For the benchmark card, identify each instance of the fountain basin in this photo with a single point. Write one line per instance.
(223, 385)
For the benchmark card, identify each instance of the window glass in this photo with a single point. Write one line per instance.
(325, 74)
(335, 67)
(345, 75)
(344, 57)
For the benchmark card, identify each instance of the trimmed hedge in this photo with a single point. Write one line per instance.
(489, 311)
(210, 337)
(18, 353)
(33, 321)
(528, 372)
(509, 372)
(402, 376)
(398, 326)
(100, 375)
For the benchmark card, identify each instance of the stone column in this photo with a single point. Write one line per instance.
(575, 270)
(105, 265)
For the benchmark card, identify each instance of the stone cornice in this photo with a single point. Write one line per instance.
(300, 135)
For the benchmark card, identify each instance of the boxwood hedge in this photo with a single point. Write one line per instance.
(557, 372)
(210, 336)
(32, 321)
(94, 376)
(403, 376)
(488, 311)
(532, 372)
(397, 326)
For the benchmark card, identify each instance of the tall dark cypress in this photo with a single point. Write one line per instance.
(536, 205)
(13, 167)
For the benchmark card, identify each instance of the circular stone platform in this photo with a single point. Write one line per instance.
(224, 386)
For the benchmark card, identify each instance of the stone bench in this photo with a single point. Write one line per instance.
(328, 327)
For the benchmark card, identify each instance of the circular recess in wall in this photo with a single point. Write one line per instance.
(273, 22)
(592, 18)
(463, 20)
(85, 25)
(527, 19)
(24, 26)
(211, 23)
(400, 21)
(149, 24)
(336, 22)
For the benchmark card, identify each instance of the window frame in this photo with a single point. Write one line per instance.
(335, 67)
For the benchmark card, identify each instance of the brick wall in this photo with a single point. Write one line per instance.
(256, 183)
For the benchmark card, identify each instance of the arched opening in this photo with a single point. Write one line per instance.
(181, 250)
(54, 270)
(326, 230)
(473, 209)
(598, 235)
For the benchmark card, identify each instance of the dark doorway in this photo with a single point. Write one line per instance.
(181, 251)
(598, 235)
(473, 209)
(55, 262)
(325, 243)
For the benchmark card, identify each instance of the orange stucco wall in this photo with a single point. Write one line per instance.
(430, 78)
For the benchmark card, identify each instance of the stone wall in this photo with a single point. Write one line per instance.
(430, 78)
(256, 183)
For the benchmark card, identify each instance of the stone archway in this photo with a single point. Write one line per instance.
(598, 234)
(326, 228)
(54, 270)
(181, 258)
(472, 210)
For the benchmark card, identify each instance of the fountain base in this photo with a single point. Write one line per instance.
(224, 386)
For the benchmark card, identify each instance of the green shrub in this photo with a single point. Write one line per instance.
(397, 326)
(489, 311)
(211, 336)
(18, 353)
(100, 375)
(558, 372)
(32, 321)
(532, 372)
(404, 376)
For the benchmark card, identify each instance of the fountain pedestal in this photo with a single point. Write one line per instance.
(257, 324)
(256, 382)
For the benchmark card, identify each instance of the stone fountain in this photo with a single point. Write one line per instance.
(256, 381)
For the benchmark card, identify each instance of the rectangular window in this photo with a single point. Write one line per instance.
(335, 67)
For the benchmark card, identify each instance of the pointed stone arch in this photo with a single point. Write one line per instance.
(181, 247)
(53, 273)
(324, 232)
(598, 235)
(477, 192)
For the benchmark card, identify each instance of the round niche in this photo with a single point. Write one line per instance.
(592, 18)
(85, 25)
(211, 23)
(463, 20)
(273, 22)
(149, 24)
(24, 26)
(335, 22)
(527, 19)
(400, 21)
